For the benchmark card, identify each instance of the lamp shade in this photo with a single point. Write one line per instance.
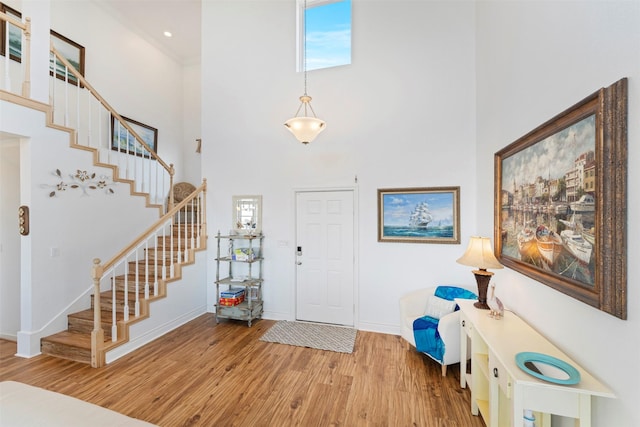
(479, 254)
(305, 129)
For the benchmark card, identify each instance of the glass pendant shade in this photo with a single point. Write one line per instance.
(305, 128)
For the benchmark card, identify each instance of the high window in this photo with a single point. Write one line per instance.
(325, 29)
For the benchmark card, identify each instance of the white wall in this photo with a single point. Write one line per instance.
(535, 59)
(402, 115)
(191, 125)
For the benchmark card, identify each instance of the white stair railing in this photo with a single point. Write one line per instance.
(77, 105)
(141, 270)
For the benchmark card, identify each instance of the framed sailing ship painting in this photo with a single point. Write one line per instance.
(560, 201)
(419, 215)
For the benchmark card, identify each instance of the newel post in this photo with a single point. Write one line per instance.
(97, 335)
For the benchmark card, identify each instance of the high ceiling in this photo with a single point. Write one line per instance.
(151, 18)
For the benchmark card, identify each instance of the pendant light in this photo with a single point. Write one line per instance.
(305, 128)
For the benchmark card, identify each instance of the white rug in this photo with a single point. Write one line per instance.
(303, 334)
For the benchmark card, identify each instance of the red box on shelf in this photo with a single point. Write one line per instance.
(230, 302)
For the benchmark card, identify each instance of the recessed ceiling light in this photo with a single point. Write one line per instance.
(168, 34)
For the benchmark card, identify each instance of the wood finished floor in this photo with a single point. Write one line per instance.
(203, 374)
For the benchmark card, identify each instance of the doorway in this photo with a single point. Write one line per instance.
(10, 260)
(325, 257)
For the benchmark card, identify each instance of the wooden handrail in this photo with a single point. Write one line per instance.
(106, 105)
(150, 230)
(12, 21)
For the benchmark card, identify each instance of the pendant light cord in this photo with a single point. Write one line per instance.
(304, 39)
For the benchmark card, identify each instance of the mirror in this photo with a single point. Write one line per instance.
(247, 214)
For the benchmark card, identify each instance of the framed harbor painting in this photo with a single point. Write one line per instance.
(419, 215)
(560, 201)
(122, 140)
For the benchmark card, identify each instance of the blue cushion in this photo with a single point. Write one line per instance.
(425, 329)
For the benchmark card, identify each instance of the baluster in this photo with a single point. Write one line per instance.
(114, 321)
(66, 94)
(78, 127)
(185, 252)
(192, 224)
(155, 263)
(137, 286)
(172, 258)
(164, 258)
(90, 124)
(179, 257)
(146, 269)
(7, 74)
(126, 288)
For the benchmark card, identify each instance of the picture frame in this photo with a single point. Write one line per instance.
(123, 141)
(72, 52)
(560, 201)
(246, 214)
(15, 34)
(419, 215)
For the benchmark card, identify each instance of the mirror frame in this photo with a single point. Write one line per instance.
(237, 202)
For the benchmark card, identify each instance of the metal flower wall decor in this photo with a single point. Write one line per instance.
(82, 180)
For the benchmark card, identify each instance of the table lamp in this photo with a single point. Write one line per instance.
(479, 254)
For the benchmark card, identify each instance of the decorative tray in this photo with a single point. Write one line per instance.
(547, 368)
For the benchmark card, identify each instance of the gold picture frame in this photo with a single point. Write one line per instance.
(560, 201)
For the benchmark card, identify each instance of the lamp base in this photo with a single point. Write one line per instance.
(482, 279)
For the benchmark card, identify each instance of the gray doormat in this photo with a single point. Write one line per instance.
(302, 334)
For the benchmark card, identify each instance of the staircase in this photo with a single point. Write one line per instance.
(125, 286)
(75, 343)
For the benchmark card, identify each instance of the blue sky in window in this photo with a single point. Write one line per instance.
(328, 29)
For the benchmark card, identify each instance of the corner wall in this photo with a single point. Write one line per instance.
(535, 59)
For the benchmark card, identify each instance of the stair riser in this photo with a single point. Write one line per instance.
(182, 233)
(142, 269)
(86, 326)
(106, 304)
(119, 283)
(65, 351)
(166, 255)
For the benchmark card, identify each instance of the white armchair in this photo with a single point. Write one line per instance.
(413, 306)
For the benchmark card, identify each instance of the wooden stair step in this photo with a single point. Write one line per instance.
(131, 282)
(142, 268)
(82, 321)
(161, 254)
(68, 345)
(106, 301)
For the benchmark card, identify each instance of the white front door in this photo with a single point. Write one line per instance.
(325, 256)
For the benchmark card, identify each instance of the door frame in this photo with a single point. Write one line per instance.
(356, 246)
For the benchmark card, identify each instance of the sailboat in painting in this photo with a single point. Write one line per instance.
(421, 216)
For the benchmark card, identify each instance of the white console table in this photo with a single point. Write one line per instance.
(500, 390)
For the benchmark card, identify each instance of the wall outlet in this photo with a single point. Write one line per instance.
(55, 252)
